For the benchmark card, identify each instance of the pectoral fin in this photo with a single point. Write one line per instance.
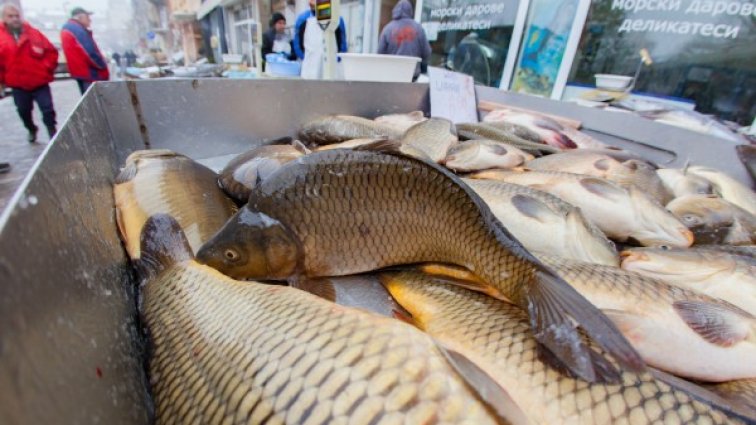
(533, 208)
(602, 188)
(490, 392)
(723, 325)
(323, 288)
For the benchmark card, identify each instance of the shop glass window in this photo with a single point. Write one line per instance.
(471, 37)
(703, 56)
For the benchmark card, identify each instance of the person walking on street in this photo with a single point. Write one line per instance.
(309, 45)
(86, 63)
(27, 65)
(403, 36)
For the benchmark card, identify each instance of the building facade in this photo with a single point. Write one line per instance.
(703, 51)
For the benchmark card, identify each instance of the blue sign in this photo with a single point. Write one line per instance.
(151, 35)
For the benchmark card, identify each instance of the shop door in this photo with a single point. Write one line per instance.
(244, 31)
(353, 14)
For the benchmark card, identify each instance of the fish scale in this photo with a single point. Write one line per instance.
(501, 335)
(236, 352)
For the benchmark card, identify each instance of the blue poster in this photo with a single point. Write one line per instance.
(543, 46)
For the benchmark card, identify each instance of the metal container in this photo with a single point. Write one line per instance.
(71, 347)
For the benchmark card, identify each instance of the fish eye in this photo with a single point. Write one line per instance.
(664, 247)
(231, 255)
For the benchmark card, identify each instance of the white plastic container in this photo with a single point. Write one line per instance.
(371, 67)
(612, 82)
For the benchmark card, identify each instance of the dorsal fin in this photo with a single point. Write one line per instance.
(323, 288)
(163, 244)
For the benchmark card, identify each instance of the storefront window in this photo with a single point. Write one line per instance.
(470, 36)
(546, 33)
(702, 55)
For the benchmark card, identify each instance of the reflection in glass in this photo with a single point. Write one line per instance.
(470, 37)
(717, 74)
(548, 29)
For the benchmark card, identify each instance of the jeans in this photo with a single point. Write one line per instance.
(25, 99)
(83, 85)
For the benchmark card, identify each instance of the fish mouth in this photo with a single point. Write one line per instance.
(631, 257)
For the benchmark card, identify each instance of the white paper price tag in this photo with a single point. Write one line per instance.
(452, 96)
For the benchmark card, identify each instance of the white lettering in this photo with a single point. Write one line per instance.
(660, 26)
(728, 31)
(736, 10)
(719, 8)
(626, 25)
(446, 12)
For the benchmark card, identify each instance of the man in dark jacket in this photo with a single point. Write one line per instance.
(85, 61)
(403, 36)
(27, 64)
(276, 40)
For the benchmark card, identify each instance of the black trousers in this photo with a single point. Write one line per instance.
(83, 85)
(25, 99)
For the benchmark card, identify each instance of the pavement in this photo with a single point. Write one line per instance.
(14, 148)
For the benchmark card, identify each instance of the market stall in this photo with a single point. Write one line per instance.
(71, 347)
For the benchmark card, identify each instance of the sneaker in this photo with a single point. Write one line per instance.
(32, 136)
(4, 167)
(51, 132)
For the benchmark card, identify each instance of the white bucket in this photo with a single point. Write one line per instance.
(371, 67)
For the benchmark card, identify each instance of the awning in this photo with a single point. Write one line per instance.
(183, 16)
(208, 6)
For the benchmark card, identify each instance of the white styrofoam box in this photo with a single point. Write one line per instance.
(371, 67)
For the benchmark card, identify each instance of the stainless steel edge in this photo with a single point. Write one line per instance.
(70, 347)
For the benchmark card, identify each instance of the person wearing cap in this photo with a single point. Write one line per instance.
(276, 39)
(86, 63)
(27, 65)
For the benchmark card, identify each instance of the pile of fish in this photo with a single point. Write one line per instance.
(408, 270)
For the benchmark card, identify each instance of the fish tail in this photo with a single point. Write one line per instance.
(556, 311)
(163, 244)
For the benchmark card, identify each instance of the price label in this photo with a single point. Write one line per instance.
(452, 96)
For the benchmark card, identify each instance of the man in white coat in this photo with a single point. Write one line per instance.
(309, 44)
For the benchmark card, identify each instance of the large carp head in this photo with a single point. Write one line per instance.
(252, 245)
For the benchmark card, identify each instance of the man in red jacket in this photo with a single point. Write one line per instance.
(85, 61)
(27, 65)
